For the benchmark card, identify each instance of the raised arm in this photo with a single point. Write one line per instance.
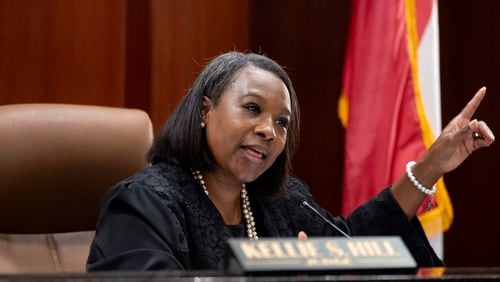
(458, 140)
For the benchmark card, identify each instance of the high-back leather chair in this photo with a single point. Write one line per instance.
(56, 162)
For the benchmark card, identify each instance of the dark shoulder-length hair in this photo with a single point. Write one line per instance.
(182, 141)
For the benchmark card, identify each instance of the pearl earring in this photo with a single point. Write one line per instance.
(202, 124)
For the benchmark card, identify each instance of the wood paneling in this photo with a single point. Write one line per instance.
(185, 35)
(308, 38)
(67, 51)
(138, 55)
(470, 41)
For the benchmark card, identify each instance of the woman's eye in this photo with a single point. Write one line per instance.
(253, 108)
(283, 122)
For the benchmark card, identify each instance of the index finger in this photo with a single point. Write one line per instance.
(473, 104)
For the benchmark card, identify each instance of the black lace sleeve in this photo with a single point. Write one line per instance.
(303, 218)
(383, 216)
(131, 233)
(379, 216)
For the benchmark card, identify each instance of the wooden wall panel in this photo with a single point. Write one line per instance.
(185, 35)
(138, 55)
(470, 58)
(67, 51)
(308, 38)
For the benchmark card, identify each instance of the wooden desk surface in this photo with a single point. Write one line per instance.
(425, 274)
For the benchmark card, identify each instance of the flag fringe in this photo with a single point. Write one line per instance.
(439, 218)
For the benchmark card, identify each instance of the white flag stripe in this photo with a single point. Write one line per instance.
(429, 73)
(429, 77)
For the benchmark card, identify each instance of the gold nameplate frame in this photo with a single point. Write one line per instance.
(319, 254)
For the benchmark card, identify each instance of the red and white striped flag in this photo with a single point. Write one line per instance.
(390, 103)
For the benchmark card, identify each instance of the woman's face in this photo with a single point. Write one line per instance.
(247, 130)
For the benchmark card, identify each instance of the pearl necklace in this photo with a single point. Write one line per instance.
(245, 205)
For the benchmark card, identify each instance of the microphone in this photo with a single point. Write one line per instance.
(306, 204)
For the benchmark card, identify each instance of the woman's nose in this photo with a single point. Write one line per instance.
(265, 129)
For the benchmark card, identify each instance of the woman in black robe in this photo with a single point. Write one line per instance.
(220, 169)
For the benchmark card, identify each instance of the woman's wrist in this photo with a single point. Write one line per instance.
(424, 189)
(426, 173)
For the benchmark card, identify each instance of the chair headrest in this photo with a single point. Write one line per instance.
(57, 160)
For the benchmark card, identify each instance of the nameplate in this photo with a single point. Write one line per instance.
(318, 254)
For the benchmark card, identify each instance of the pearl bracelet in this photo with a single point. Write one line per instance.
(415, 182)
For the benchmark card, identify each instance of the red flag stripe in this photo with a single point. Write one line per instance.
(381, 105)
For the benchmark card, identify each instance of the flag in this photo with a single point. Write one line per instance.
(390, 100)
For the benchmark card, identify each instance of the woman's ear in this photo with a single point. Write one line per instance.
(205, 108)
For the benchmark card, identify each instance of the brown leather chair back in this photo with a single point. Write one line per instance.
(56, 162)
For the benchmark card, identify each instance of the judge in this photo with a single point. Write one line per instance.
(220, 169)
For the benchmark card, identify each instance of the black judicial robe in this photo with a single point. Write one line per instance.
(161, 219)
